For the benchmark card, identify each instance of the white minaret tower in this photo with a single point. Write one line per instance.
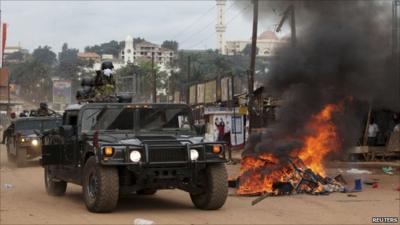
(220, 26)
(128, 50)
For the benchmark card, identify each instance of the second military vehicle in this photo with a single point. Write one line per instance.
(23, 141)
(112, 149)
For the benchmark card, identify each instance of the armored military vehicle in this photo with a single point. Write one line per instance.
(23, 140)
(113, 149)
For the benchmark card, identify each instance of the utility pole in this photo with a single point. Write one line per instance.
(289, 12)
(154, 79)
(252, 66)
(396, 36)
(188, 80)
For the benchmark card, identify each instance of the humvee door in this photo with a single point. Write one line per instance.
(52, 154)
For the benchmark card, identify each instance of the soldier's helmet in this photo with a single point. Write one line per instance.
(43, 105)
(107, 65)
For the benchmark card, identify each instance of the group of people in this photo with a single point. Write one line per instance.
(374, 130)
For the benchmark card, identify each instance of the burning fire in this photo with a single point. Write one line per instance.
(260, 173)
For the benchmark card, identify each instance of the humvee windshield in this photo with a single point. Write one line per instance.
(148, 119)
(30, 125)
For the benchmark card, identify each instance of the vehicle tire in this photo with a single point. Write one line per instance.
(21, 157)
(214, 182)
(100, 186)
(147, 191)
(55, 188)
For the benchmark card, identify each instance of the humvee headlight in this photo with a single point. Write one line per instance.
(35, 142)
(108, 151)
(194, 154)
(135, 156)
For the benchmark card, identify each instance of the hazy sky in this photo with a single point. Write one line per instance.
(82, 23)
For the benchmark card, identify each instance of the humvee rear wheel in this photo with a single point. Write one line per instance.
(147, 191)
(55, 188)
(100, 186)
(21, 157)
(213, 181)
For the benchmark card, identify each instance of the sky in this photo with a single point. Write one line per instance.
(82, 23)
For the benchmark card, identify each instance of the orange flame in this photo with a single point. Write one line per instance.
(258, 174)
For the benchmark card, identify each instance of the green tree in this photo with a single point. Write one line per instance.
(44, 56)
(170, 44)
(68, 62)
(113, 47)
(247, 50)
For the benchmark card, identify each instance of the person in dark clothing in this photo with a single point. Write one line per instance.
(221, 129)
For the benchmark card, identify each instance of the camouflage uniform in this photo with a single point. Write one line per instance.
(43, 110)
(104, 90)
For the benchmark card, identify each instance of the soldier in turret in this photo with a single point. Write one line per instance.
(105, 83)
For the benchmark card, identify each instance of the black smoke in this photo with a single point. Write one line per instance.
(343, 49)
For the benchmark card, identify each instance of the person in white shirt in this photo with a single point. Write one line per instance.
(373, 131)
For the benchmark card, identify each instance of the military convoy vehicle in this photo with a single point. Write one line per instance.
(114, 149)
(23, 141)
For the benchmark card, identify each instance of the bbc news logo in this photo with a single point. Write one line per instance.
(385, 219)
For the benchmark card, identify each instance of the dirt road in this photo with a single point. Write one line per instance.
(26, 202)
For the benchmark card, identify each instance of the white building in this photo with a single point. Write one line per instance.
(267, 43)
(134, 52)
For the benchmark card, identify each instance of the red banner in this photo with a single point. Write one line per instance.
(4, 37)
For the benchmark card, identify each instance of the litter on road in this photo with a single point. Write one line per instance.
(358, 171)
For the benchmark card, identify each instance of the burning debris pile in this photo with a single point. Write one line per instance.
(302, 170)
(340, 66)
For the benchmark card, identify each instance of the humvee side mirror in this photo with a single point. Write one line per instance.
(200, 129)
(67, 131)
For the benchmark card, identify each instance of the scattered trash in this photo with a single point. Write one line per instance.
(139, 221)
(388, 170)
(262, 197)
(358, 171)
(351, 195)
(374, 184)
(8, 186)
(368, 182)
(357, 185)
(339, 178)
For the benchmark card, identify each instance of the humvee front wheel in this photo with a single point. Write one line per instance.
(55, 188)
(100, 186)
(213, 181)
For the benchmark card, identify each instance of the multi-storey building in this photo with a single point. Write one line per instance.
(267, 43)
(135, 52)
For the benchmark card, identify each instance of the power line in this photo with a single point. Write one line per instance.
(194, 22)
(203, 28)
(230, 21)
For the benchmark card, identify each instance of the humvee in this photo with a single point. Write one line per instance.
(114, 149)
(23, 141)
